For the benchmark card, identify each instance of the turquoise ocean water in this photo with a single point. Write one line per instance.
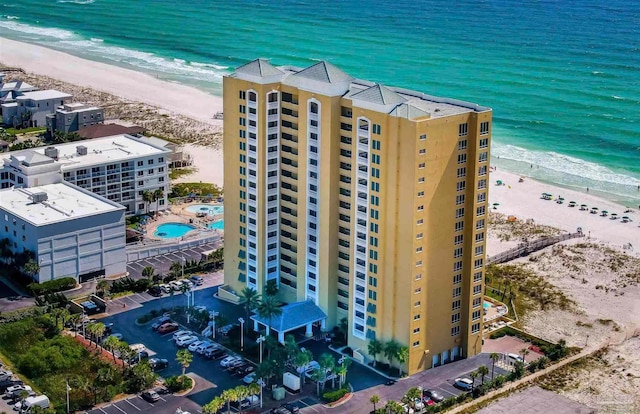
(563, 77)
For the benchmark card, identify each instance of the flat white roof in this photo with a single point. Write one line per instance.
(117, 148)
(63, 203)
(44, 95)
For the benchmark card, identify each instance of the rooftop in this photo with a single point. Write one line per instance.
(294, 315)
(44, 95)
(75, 107)
(108, 130)
(63, 202)
(17, 85)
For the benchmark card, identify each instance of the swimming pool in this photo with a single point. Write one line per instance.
(172, 230)
(486, 305)
(206, 208)
(218, 225)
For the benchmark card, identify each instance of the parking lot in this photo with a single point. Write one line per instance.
(167, 404)
(163, 262)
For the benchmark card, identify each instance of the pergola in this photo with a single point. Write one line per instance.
(294, 316)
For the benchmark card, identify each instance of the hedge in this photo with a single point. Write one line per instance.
(52, 286)
(178, 383)
(331, 396)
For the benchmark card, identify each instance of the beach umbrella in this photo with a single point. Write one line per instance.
(605, 212)
(495, 205)
(625, 217)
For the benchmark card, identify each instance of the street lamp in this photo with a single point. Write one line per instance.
(241, 320)
(183, 260)
(261, 384)
(68, 389)
(260, 340)
(83, 324)
(213, 325)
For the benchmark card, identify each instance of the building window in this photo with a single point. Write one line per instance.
(482, 197)
(457, 253)
(416, 344)
(419, 235)
(460, 212)
(417, 290)
(376, 129)
(457, 266)
(480, 224)
(423, 137)
(421, 165)
(375, 144)
(477, 302)
(416, 331)
(482, 170)
(462, 144)
(462, 158)
(419, 276)
(416, 304)
(419, 222)
(479, 237)
(455, 305)
(455, 331)
(457, 292)
(419, 249)
(455, 318)
(477, 264)
(479, 250)
(483, 157)
(458, 239)
(420, 208)
(477, 277)
(484, 128)
(421, 180)
(482, 184)
(462, 171)
(480, 211)
(477, 289)
(459, 226)
(422, 151)
(459, 199)
(242, 95)
(475, 328)
(463, 129)
(419, 263)
(484, 142)
(461, 185)
(457, 279)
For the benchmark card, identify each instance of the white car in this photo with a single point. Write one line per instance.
(187, 283)
(204, 346)
(181, 333)
(229, 360)
(14, 388)
(165, 288)
(250, 378)
(312, 366)
(186, 340)
(176, 286)
(194, 345)
(464, 384)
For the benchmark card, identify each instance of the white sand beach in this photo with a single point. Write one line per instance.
(128, 84)
(523, 200)
(208, 165)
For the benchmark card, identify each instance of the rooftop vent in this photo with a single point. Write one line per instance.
(39, 197)
(51, 152)
(81, 150)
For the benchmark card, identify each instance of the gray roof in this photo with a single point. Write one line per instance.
(380, 95)
(30, 158)
(408, 111)
(294, 315)
(324, 72)
(259, 67)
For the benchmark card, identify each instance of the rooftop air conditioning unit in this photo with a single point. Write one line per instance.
(81, 150)
(39, 197)
(51, 152)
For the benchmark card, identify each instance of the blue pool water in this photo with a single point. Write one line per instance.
(218, 225)
(486, 305)
(208, 208)
(172, 230)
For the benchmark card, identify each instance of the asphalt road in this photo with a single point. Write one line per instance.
(163, 262)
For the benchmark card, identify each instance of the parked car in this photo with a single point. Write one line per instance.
(142, 355)
(216, 353)
(464, 384)
(5, 375)
(292, 408)
(158, 364)
(150, 396)
(433, 395)
(312, 365)
(184, 341)
(250, 401)
(180, 333)
(244, 370)
(236, 363)
(175, 286)
(201, 349)
(228, 360)
(162, 320)
(165, 288)
(225, 329)
(8, 383)
(155, 291)
(515, 357)
(418, 404)
(18, 394)
(197, 280)
(194, 345)
(250, 378)
(17, 387)
(187, 283)
(168, 327)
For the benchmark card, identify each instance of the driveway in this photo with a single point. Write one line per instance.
(133, 405)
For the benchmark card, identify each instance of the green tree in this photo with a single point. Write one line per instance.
(268, 309)
(103, 287)
(291, 346)
(327, 364)
(250, 300)
(483, 371)
(393, 407)
(175, 270)
(494, 358)
(390, 350)
(148, 272)
(111, 343)
(147, 197)
(375, 347)
(31, 268)
(229, 396)
(403, 357)
(342, 370)
(266, 371)
(142, 377)
(184, 358)
(375, 399)
(473, 375)
(98, 331)
(126, 354)
(74, 319)
(271, 289)
(60, 315)
(317, 376)
(158, 194)
(524, 352)
(300, 361)
(412, 395)
(213, 406)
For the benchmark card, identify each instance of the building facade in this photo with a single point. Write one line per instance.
(120, 168)
(30, 109)
(70, 231)
(72, 117)
(368, 200)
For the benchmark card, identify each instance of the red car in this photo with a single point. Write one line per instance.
(168, 327)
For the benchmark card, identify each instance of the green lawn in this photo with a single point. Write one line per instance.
(14, 131)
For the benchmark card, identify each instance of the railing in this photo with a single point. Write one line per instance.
(525, 249)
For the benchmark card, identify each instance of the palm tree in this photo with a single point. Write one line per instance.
(403, 357)
(391, 350)
(157, 195)
(327, 363)
(148, 272)
(58, 314)
(126, 354)
(213, 406)
(242, 392)
(90, 329)
(302, 360)
(374, 347)
(184, 358)
(147, 197)
(494, 358)
(74, 319)
(175, 269)
(318, 376)
(375, 399)
(111, 343)
(268, 309)
(394, 407)
(31, 268)
(342, 371)
(473, 375)
(103, 286)
(98, 331)
(250, 299)
(412, 395)
(524, 352)
(483, 370)
(228, 396)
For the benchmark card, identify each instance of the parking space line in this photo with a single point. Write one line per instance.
(113, 405)
(131, 404)
(448, 392)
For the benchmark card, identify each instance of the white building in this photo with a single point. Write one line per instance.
(31, 108)
(120, 168)
(73, 116)
(72, 232)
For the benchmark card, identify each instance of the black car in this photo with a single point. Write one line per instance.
(9, 383)
(292, 408)
(244, 370)
(433, 395)
(155, 291)
(143, 355)
(158, 364)
(216, 353)
(150, 396)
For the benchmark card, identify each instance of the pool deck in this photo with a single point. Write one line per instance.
(180, 214)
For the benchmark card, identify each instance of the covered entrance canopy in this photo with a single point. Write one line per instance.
(294, 316)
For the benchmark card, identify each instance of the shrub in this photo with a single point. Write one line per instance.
(332, 396)
(52, 286)
(178, 383)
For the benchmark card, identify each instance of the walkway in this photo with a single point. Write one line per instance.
(526, 249)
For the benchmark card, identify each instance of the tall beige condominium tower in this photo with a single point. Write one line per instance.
(361, 201)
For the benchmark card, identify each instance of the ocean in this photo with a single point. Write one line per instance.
(563, 77)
